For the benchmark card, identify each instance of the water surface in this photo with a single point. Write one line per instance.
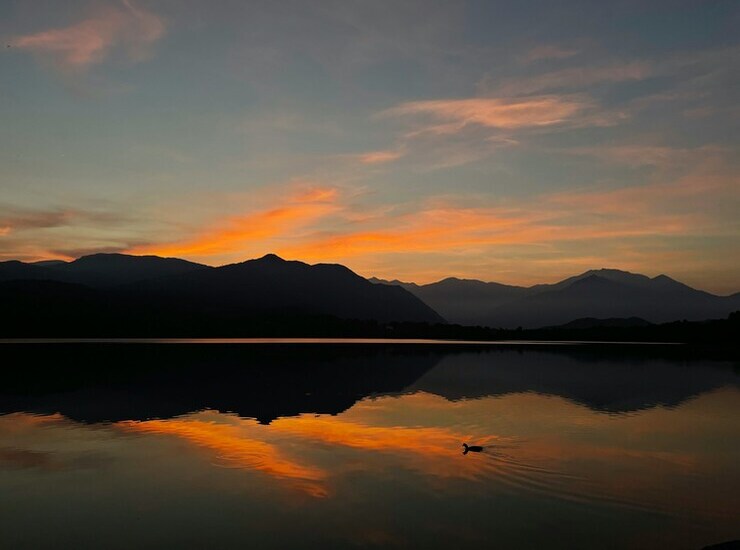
(233, 446)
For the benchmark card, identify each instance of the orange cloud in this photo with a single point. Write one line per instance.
(447, 227)
(240, 232)
(533, 239)
(77, 47)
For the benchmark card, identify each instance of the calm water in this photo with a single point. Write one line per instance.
(331, 446)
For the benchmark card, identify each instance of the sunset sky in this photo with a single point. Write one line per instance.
(518, 142)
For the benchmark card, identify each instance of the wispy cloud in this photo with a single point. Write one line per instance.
(76, 48)
(572, 78)
(499, 113)
(548, 51)
(65, 232)
(445, 133)
(663, 156)
(380, 157)
(21, 219)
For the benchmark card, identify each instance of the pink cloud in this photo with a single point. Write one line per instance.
(76, 48)
(380, 157)
(499, 113)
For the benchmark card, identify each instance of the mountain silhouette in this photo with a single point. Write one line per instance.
(121, 295)
(14, 270)
(612, 322)
(100, 270)
(271, 283)
(463, 301)
(602, 293)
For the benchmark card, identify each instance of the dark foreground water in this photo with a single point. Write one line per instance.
(340, 446)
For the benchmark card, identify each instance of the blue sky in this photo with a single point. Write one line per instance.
(518, 142)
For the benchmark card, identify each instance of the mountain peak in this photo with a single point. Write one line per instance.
(99, 256)
(592, 278)
(271, 257)
(607, 270)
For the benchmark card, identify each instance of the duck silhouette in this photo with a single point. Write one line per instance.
(471, 448)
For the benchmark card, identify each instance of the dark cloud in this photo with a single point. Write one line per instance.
(17, 219)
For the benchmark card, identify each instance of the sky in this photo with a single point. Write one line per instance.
(518, 142)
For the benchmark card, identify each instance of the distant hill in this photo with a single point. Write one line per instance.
(601, 294)
(463, 301)
(14, 270)
(615, 322)
(98, 270)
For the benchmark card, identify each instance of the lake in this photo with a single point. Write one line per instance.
(359, 445)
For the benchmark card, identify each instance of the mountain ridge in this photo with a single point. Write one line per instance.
(595, 293)
(148, 294)
(291, 287)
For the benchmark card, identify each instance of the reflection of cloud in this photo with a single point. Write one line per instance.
(236, 448)
(24, 458)
(662, 460)
(430, 450)
(243, 443)
(76, 48)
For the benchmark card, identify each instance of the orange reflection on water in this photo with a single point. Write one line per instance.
(233, 447)
(243, 443)
(428, 449)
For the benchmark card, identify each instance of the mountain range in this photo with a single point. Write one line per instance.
(118, 294)
(601, 293)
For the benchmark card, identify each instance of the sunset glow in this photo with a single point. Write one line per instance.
(426, 143)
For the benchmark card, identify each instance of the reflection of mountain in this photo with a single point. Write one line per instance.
(99, 382)
(602, 293)
(595, 378)
(111, 382)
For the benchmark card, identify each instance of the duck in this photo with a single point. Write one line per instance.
(471, 448)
